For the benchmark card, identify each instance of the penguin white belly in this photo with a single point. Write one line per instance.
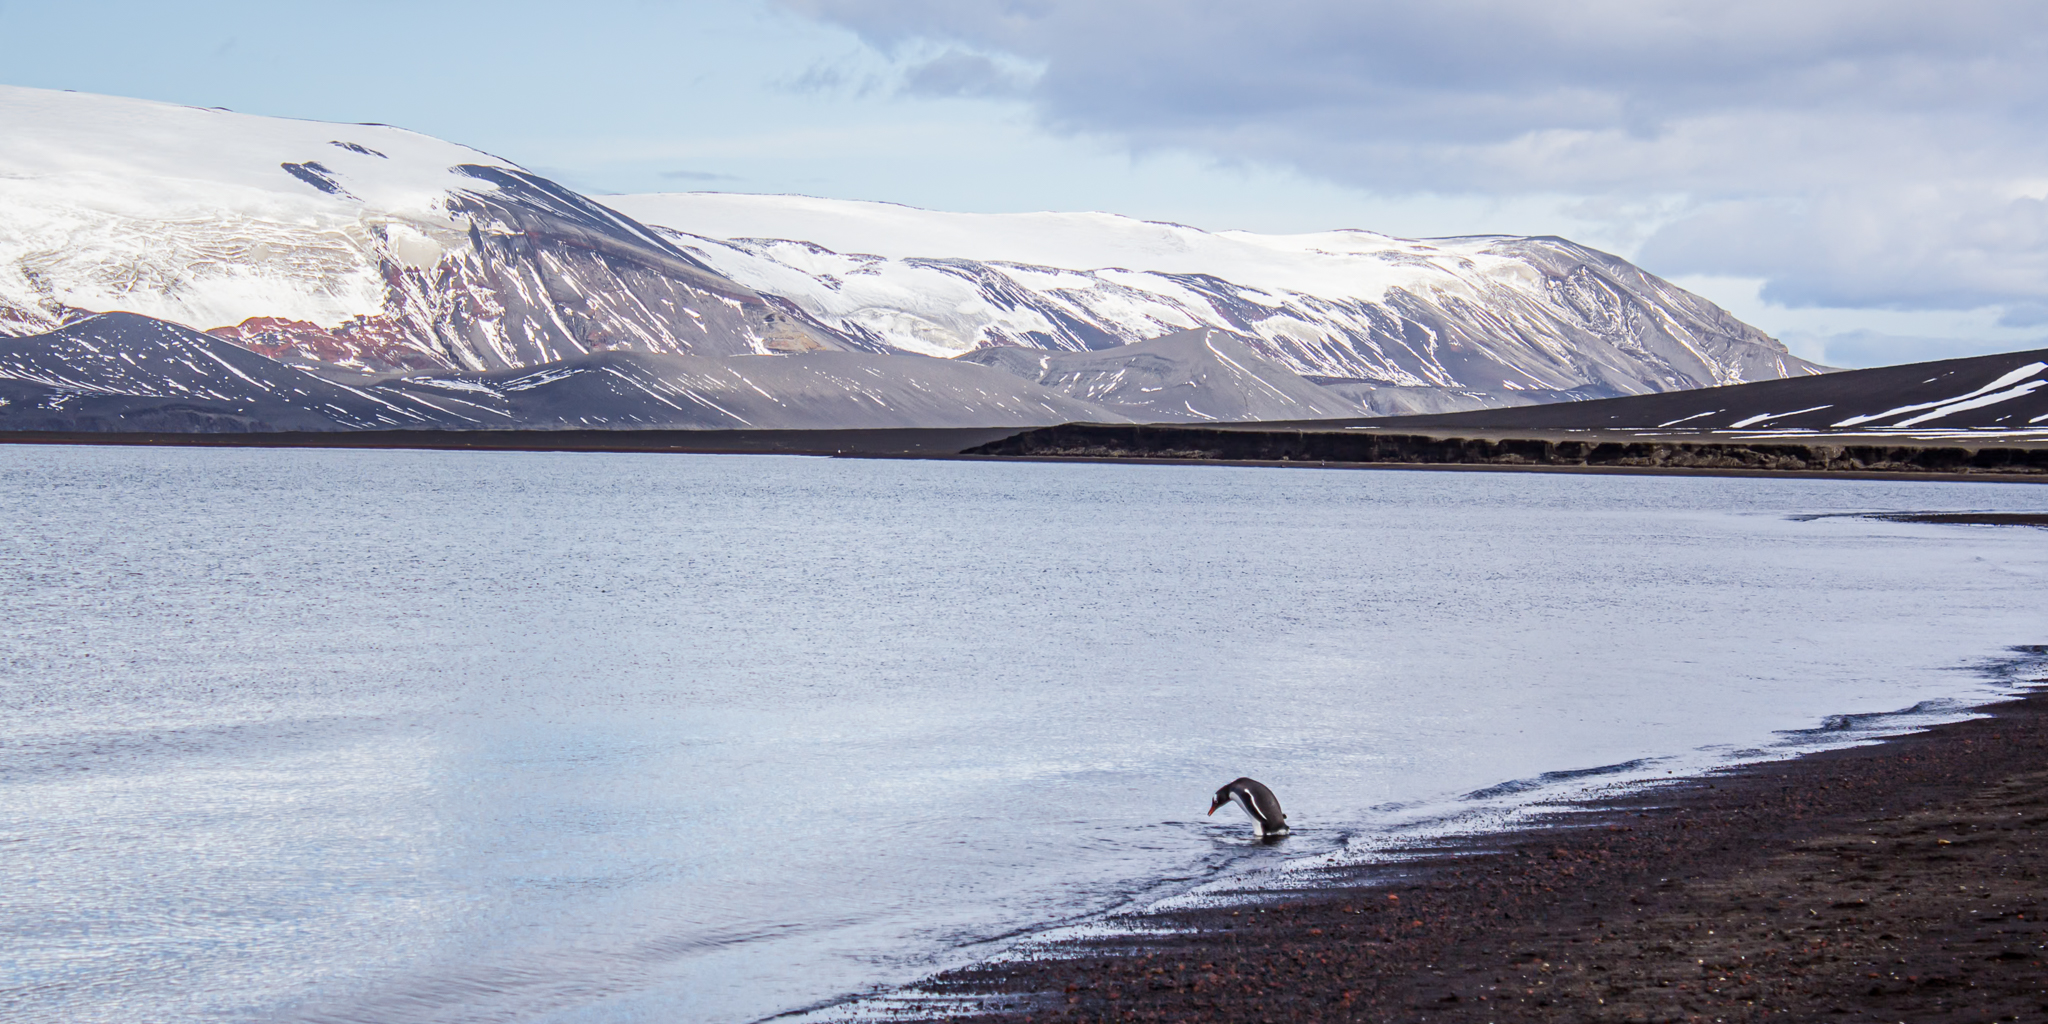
(1244, 803)
(1259, 829)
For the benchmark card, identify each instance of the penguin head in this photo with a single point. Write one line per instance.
(1222, 797)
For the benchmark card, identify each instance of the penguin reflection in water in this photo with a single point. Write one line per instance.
(1268, 821)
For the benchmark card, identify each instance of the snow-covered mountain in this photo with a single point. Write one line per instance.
(348, 250)
(355, 245)
(1491, 314)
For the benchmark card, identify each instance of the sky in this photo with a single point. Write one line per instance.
(1866, 179)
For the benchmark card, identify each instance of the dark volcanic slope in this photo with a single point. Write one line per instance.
(126, 373)
(814, 390)
(2008, 391)
(1203, 374)
(120, 371)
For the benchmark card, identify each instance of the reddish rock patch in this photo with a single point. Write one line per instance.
(374, 344)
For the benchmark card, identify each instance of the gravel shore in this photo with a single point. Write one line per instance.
(1899, 881)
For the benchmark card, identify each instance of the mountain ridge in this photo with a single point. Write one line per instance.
(372, 251)
(1490, 313)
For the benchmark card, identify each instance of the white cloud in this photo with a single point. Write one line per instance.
(1849, 337)
(1860, 348)
(1952, 244)
(1852, 153)
(957, 72)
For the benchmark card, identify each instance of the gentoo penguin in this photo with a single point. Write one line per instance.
(1268, 822)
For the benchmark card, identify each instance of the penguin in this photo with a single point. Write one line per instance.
(1268, 821)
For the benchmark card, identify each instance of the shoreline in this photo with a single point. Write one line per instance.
(1901, 879)
(1713, 452)
(1505, 467)
(1242, 445)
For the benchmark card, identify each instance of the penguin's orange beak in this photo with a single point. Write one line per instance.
(1214, 805)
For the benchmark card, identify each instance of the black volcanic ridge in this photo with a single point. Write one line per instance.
(2008, 391)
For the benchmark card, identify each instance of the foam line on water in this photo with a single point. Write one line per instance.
(1251, 879)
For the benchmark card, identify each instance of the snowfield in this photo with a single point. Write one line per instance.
(189, 215)
(362, 246)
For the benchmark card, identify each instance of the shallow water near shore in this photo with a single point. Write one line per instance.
(425, 736)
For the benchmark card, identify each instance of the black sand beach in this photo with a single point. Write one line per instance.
(1836, 455)
(1899, 881)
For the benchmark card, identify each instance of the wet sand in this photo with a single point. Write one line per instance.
(1899, 881)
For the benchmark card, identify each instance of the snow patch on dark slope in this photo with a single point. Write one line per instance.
(818, 390)
(1378, 399)
(125, 372)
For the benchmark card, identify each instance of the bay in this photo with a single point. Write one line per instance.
(419, 736)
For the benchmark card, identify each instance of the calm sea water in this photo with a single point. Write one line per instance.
(402, 737)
